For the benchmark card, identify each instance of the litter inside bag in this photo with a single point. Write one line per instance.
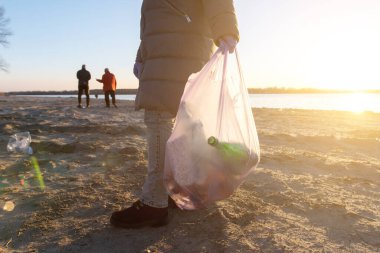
(214, 144)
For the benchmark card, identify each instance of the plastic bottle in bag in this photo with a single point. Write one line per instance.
(20, 142)
(236, 157)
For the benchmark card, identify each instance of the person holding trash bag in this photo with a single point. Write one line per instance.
(83, 76)
(178, 38)
(109, 87)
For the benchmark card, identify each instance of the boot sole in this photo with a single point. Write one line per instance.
(153, 223)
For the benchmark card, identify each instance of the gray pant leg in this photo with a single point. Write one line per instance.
(159, 128)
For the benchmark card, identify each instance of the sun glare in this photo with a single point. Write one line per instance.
(356, 102)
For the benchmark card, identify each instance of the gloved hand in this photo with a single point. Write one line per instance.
(137, 68)
(228, 43)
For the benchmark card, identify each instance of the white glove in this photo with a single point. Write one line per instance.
(228, 43)
(137, 68)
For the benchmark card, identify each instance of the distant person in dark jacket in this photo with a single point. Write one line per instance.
(109, 87)
(83, 76)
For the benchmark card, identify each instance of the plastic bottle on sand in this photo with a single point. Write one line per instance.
(20, 142)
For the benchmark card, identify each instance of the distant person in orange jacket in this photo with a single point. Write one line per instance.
(109, 87)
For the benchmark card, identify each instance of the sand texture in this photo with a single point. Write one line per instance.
(316, 189)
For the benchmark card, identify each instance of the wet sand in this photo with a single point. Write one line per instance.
(316, 189)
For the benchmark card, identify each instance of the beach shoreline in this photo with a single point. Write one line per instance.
(316, 189)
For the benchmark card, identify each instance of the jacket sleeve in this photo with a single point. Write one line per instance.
(222, 18)
(142, 28)
(138, 55)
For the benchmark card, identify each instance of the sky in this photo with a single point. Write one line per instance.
(325, 44)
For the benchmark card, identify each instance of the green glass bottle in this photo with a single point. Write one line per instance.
(234, 155)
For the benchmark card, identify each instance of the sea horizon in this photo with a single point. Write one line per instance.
(268, 90)
(353, 102)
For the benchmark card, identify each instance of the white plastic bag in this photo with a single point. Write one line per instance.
(214, 144)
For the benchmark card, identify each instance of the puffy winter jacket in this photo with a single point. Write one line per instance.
(109, 82)
(177, 39)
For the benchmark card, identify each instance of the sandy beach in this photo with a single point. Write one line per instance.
(316, 189)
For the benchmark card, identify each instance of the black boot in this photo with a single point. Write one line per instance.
(172, 204)
(140, 215)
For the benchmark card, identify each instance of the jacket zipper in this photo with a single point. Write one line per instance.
(178, 11)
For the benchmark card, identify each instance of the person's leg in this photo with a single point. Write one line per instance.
(87, 96)
(113, 98)
(107, 98)
(80, 92)
(159, 127)
(152, 208)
